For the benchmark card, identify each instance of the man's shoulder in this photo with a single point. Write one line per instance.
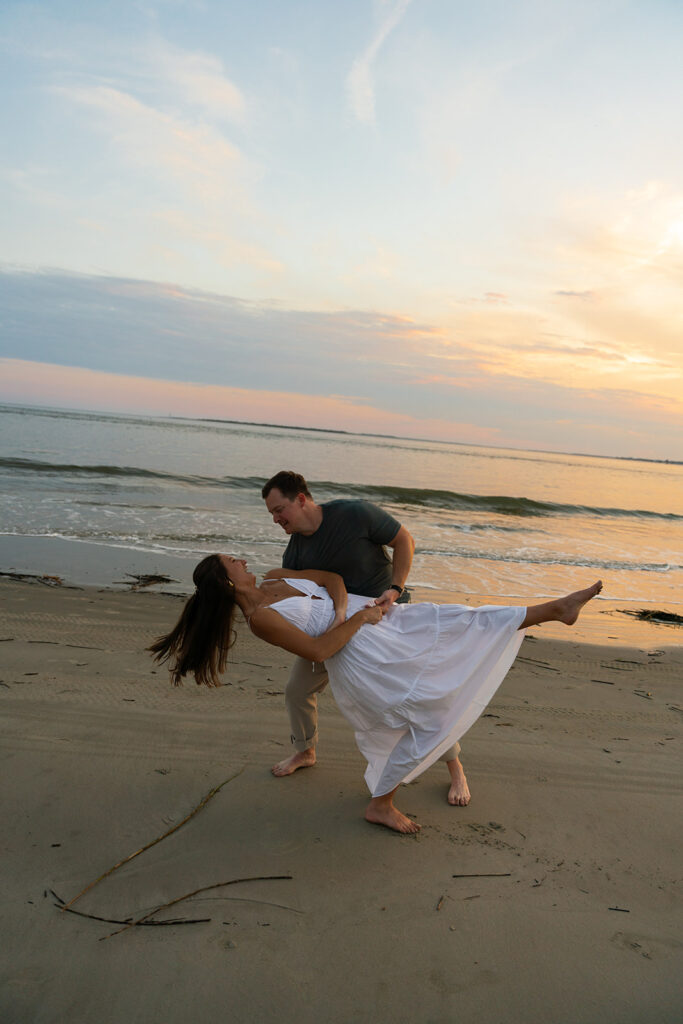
(348, 506)
(360, 517)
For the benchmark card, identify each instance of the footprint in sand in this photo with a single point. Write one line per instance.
(647, 946)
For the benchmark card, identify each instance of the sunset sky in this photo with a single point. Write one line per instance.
(429, 218)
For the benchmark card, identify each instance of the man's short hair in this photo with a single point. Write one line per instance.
(288, 483)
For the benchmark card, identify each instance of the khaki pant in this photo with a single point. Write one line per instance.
(307, 679)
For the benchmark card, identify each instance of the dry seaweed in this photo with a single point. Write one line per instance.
(195, 892)
(139, 580)
(129, 920)
(654, 615)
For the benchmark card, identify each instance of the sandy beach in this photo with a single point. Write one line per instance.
(553, 897)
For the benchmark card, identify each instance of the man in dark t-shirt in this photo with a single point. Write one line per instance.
(350, 541)
(348, 537)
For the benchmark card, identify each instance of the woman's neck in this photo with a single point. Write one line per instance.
(249, 598)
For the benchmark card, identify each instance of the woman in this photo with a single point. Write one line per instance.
(410, 686)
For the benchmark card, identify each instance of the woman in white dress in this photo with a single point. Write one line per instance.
(411, 682)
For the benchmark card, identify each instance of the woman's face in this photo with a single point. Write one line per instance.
(236, 569)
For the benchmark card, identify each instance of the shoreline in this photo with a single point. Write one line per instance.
(603, 621)
(564, 865)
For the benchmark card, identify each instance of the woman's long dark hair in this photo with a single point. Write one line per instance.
(200, 640)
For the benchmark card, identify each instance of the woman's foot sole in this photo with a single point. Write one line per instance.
(571, 605)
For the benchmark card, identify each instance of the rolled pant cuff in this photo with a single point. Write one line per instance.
(301, 745)
(451, 753)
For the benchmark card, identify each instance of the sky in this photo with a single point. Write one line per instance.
(430, 218)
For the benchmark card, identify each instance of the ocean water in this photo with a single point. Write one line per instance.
(486, 521)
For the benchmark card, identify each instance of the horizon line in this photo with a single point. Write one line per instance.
(335, 430)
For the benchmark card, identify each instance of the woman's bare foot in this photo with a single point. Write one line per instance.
(459, 792)
(302, 759)
(571, 605)
(381, 811)
(561, 609)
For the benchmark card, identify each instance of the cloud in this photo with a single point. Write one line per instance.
(636, 233)
(126, 326)
(148, 140)
(35, 184)
(494, 373)
(360, 81)
(187, 189)
(194, 154)
(198, 80)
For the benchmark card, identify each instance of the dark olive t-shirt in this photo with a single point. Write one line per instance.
(349, 541)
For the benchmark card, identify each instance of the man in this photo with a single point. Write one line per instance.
(348, 537)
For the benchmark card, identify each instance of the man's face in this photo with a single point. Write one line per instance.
(286, 512)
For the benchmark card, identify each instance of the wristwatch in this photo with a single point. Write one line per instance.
(395, 586)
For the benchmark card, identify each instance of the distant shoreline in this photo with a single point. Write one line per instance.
(331, 430)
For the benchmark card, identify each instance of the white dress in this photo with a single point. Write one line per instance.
(414, 683)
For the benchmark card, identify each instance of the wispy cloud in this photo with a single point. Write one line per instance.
(199, 185)
(198, 80)
(158, 135)
(360, 80)
(196, 154)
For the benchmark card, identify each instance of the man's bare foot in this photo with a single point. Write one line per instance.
(459, 792)
(570, 606)
(381, 813)
(302, 759)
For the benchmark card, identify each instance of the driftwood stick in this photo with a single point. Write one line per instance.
(246, 899)
(137, 853)
(112, 920)
(129, 920)
(188, 895)
(486, 874)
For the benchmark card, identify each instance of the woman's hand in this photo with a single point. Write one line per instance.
(372, 614)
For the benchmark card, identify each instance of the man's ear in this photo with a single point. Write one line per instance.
(301, 498)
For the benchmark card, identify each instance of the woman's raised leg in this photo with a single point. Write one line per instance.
(561, 609)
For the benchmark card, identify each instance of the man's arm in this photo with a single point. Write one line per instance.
(403, 547)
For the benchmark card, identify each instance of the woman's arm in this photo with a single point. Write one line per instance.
(270, 626)
(332, 581)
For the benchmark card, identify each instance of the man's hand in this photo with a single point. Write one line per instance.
(386, 599)
(372, 614)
